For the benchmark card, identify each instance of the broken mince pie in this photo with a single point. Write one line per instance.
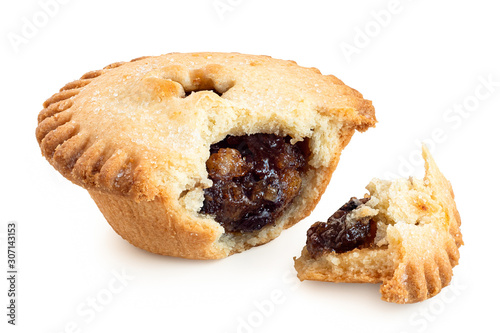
(405, 234)
(202, 155)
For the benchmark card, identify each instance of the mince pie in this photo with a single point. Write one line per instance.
(202, 155)
(405, 234)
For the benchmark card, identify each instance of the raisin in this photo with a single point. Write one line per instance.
(226, 163)
(255, 177)
(339, 236)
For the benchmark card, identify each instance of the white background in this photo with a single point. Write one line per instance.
(418, 66)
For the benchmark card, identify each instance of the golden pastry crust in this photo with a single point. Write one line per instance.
(137, 134)
(416, 245)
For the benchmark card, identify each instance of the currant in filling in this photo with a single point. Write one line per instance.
(255, 177)
(339, 233)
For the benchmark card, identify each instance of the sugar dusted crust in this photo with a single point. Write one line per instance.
(137, 134)
(416, 249)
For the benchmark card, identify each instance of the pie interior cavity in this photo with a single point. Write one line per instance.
(405, 234)
(138, 135)
(255, 177)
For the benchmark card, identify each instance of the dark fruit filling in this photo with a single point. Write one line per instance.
(254, 178)
(338, 235)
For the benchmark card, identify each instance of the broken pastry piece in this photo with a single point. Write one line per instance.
(202, 155)
(405, 234)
